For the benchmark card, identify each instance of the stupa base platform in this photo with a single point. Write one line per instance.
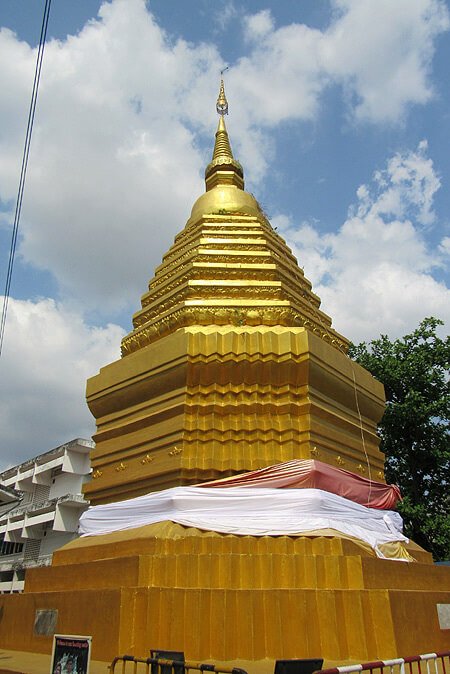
(226, 597)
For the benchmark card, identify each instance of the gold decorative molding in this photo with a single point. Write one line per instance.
(147, 459)
(120, 467)
(253, 313)
(340, 461)
(175, 451)
(361, 468)
(96, 474)
(314, 451)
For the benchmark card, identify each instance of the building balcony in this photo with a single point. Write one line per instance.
(71, 458)
(60, 514)
(75, 500)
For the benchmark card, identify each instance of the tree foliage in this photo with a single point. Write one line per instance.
(414, 430)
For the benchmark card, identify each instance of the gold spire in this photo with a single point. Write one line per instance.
(222, 103)
(223, 169)
(222, 147)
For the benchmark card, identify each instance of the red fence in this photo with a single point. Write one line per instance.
(428, 663)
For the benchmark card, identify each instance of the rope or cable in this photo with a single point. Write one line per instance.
(362, 433)
(340, 347)
(23, 171)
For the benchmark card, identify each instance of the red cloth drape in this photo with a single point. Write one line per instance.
(309, 473)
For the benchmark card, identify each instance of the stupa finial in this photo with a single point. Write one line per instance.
(223, 168)
(222, 103)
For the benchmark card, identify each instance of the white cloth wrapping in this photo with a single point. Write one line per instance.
(249, 511)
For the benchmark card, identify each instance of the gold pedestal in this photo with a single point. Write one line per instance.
(223, 597)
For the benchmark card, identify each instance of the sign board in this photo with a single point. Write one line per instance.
(444, 616)
(71, 654)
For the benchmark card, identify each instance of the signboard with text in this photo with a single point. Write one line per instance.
(71, 654)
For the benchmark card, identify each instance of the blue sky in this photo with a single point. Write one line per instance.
(339, 113)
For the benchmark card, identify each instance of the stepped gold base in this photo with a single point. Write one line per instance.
(229, 597)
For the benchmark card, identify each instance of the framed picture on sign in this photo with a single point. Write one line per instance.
(71, 654)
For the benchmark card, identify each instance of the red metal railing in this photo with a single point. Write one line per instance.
(428, 663)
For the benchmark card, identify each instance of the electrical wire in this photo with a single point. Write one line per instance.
(23, 171)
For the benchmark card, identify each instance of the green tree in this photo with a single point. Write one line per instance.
(415, 428)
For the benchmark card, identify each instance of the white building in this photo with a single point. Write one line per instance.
(47, 515)
(9, 499)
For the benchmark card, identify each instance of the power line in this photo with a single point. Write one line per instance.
(23, 171)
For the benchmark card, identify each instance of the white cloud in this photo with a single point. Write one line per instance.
(113, 165)
(258, 25)
(48, 353)
(381, 52)
(375, 275)
(226, 12)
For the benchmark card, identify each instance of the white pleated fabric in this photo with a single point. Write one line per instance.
(249, 511)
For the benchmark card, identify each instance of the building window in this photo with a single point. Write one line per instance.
(9, 548)
(6, 576)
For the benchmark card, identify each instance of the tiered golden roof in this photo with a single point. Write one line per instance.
(227, 267)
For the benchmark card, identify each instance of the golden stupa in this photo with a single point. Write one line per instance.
(231, 366)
